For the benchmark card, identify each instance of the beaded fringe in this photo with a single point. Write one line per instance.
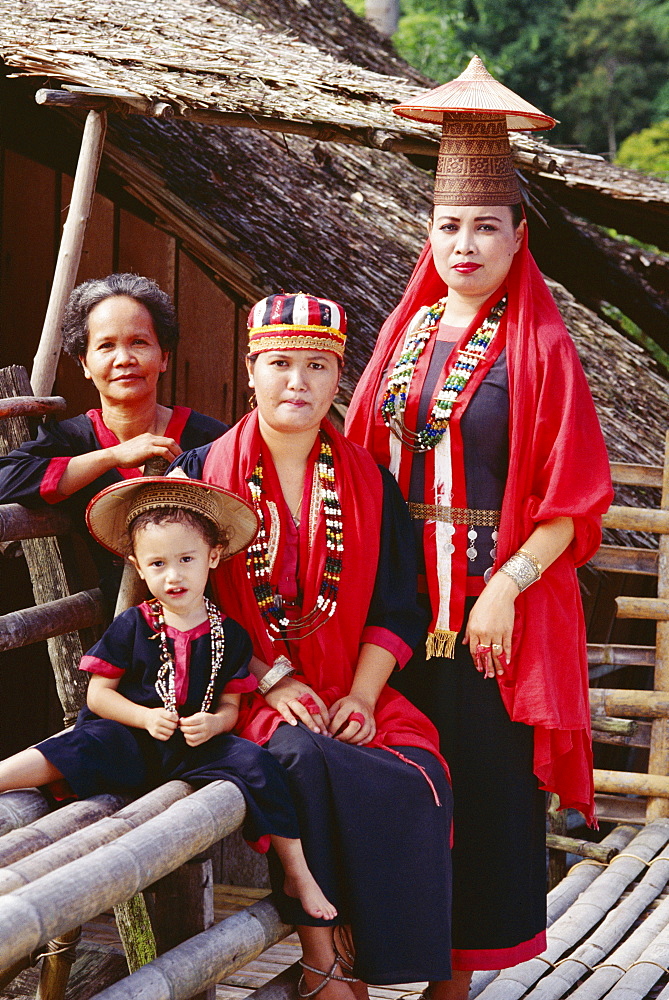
(441, 642)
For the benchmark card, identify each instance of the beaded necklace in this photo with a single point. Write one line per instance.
(258, 565)
(394, 400)
(165, 680)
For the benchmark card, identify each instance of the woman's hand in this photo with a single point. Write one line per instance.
(297, 702)
(132, 454)
(490, 625)
(353, 720)
(160, 723)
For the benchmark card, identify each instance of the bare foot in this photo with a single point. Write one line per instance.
(305, 888)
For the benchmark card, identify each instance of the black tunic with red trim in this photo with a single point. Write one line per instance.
(29, 475)
(100, 755)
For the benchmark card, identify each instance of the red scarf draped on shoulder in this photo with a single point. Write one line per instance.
(558, 466)
(327, 658)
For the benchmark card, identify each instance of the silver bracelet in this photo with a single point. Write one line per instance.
(282, 667)
(522, 570)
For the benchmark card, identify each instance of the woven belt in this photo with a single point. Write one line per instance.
(453, 515)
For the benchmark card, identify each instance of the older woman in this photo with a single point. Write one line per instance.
(327, 593)
(476, 401)
(121, 330)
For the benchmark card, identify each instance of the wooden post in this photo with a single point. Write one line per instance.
(557, 824)
(56, 965)
(43, 556)
(69, 253)
(658, 762)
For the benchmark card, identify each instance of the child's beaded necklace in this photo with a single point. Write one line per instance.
(394, 400)
(165, 681)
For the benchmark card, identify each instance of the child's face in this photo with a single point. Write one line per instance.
(175, 560)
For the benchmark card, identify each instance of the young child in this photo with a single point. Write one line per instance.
(167, 676)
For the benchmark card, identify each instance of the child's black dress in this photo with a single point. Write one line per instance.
(99, 755)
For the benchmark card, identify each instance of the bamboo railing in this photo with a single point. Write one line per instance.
(647, 711)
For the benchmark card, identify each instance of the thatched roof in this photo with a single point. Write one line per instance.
(266, 210)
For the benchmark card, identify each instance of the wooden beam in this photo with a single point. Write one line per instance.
(374, 138)
(636, 519)
(69, 253)
(584, 848)
(620, 809)
(622, 727)
(17, 522)
(44, 621)
(655, 608)
(640, 738)
(658, 760)
(625, 559)
(31, 406)
(636, 475)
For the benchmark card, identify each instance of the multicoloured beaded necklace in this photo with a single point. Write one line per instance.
(165, 685)
(394, 400)
(258, 565)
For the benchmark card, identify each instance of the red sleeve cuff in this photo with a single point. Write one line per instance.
(54, 473)
(94, 665)
(239, 685)
(388, 640)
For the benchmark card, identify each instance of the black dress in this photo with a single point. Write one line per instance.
(29, 474)
(100, 755)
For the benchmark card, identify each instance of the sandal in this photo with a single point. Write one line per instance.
(327, 977)
(348, 958)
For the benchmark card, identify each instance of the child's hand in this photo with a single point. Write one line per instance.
(160, 723)
(201, 727)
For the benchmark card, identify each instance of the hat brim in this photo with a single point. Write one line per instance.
(107, 513)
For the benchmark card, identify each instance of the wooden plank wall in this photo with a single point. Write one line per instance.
(206, 372)
(207, 369)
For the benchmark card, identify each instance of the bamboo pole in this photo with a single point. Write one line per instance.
(607, 934)
(69, 253)
(621, 656)
(585, 913)
(639, 738)
(643, 607)
(57, 962)
(658, 761)
(76, 892)
(621, 727)
(31, 406)
(583, 848)
(82, 830)
(618, 962)
(19, 808)
(205, 959)
(49, 829)
(557, 825)
(625, 559)
(619, 701)
(636, 475)
(45, 621)
(631, 783)
(636, 519)
(645, 972)
(17, 522)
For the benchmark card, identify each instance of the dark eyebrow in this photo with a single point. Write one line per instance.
(477, 218)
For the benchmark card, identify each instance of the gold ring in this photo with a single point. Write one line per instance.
(496, 646)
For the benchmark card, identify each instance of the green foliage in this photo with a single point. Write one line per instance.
(357, 6)
(617, 57)
(647, 150)
(430, 39)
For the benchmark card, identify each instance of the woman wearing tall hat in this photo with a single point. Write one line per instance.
(475, 400)
(328, 594)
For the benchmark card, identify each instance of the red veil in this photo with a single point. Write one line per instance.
(558, 466)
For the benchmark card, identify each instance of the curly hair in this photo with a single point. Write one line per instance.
(89, 294)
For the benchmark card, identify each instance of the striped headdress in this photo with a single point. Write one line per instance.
(297, 322)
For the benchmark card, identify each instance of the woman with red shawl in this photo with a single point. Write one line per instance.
(327, 592)
(476, 401)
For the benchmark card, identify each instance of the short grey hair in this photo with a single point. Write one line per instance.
(89, 294)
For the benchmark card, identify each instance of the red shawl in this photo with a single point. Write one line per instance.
(327, 658)
(558, 466)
